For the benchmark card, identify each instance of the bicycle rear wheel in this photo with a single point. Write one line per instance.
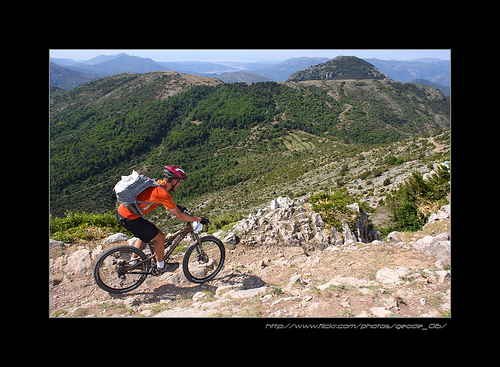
(203, 262)
(114, 273)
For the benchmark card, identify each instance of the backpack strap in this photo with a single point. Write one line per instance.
(138, 210)
(145, 202)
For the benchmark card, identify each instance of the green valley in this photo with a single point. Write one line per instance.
(236, 141)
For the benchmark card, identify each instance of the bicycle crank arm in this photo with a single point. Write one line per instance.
(139, 263)
(138, 272)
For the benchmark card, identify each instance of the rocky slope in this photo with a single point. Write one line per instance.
(282, 261)
(341, 67)
(366, 174)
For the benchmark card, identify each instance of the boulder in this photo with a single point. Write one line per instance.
(198, 296)
(247, 293)
(443, 213)
(226, 288)
(394, 237)
(131, 241)
(439, 215)
(79, 262)
(389, 276)
(438, 246)
(97, 252)
(231, 239)
(115, 238)
(54, 243)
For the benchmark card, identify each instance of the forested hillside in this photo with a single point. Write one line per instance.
(221, 134)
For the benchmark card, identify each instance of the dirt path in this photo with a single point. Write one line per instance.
(342, 117)
(272, 281)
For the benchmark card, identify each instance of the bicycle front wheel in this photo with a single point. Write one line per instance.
(203, 262)
(115, 272)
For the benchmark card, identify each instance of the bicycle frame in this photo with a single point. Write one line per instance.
(176, 239)
(171, 243)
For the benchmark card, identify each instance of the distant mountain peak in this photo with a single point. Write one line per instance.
(102, 58)
(341, 67)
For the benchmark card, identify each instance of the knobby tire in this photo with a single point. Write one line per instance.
(199, 270)
(111, 270)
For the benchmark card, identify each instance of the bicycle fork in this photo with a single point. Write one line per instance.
(202, 257)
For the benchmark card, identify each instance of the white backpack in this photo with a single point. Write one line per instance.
(129, 187)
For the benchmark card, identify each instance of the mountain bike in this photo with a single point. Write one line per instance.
(116, 271)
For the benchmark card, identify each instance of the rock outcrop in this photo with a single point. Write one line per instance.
(443, 213)
(288, 222)
(438, 245)
(341, 67)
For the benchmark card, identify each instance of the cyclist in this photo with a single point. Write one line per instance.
(146, 231)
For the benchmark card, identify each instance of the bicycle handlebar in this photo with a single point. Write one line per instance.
(183, 209)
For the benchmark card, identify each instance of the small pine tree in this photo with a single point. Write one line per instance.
(407, 202)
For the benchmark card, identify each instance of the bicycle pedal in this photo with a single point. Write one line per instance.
(170, 268)
(154, 270)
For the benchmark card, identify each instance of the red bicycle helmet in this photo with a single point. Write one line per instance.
(174, 172)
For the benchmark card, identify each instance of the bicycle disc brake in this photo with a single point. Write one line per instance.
(203, 258)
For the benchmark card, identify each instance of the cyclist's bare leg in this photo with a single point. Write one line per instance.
(159, 245)
(138, 244)
(159, 241)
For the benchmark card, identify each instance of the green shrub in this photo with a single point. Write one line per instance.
(333, 208)
(75, 219)
(84, 226)
(393, 161)
(416, 198)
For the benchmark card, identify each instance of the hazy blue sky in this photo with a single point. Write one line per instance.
(251, 55)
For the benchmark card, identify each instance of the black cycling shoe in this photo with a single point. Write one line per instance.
(169, 267)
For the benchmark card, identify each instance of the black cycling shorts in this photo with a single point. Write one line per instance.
(140, 227)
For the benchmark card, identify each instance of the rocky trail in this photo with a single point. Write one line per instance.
(281, 262)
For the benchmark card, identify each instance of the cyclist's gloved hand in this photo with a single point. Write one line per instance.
(204, 221)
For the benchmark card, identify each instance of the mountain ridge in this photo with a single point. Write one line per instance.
(65, 78)
(281, 72)
(443, 88)
(435, 70)
(106, 65)
(341, 67)
(126, 88)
